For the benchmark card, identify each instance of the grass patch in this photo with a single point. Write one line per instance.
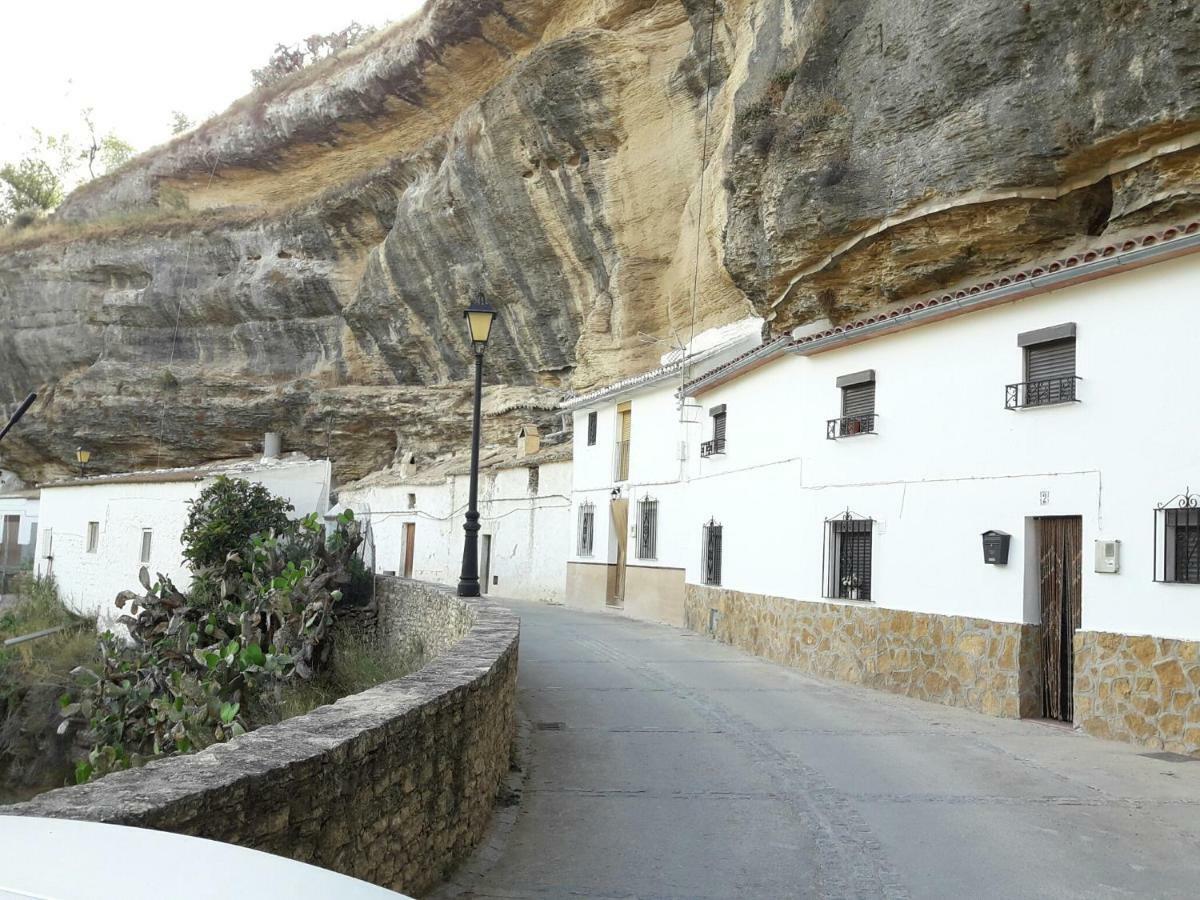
(356, 666)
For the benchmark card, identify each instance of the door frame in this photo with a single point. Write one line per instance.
(485, 562)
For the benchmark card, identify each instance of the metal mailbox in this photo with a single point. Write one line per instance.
(995, 547)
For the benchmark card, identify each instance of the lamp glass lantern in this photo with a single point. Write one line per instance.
(83, 457)
(479, 316)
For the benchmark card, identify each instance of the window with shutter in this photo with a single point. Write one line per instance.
(717, 443)
(858, 406)
(624, 434)
(1049, 368)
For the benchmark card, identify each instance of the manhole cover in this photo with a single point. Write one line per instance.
(550, 726)
(1171, 757)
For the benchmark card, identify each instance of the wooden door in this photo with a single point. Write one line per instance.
(10, 552)
(1060, 551)
(410, 539)
(485, 562)
(616, 581)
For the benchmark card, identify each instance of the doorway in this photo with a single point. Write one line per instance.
(485, 563)
(410, 541)
(616, 575)
(10, 551)
(1060, 552)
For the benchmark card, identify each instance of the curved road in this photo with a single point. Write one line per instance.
(663, 765)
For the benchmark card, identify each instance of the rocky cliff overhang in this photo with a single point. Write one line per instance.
(612, 174)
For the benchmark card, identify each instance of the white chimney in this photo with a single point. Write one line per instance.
(272, 445)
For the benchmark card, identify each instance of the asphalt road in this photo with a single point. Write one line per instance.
(660, 764)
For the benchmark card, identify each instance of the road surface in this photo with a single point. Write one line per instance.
(660, 764)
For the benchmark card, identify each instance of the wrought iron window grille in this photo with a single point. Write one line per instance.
(1177, 539)
(846, 557)
(647, 525)
(850, 426)
(1045, 392)
(710, 554)
(591, 429)
(587, 528)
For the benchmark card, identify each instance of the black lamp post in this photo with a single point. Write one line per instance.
(479, 316)
(16, 417)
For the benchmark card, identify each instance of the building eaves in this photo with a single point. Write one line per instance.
(1097, 262)
(750, 359)
(179, 475)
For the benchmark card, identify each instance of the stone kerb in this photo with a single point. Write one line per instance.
(394, 785)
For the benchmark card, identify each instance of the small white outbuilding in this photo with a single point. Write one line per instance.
(97, 533)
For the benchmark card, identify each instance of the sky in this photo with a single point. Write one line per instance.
(134, 61)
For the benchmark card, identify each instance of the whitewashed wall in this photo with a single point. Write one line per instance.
(89, 582)
(530, 533)
(950, 462)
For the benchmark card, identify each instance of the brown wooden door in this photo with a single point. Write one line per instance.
(1060, 550)
(410, 540)
(619, 510)
(485, 562)
(10, 552)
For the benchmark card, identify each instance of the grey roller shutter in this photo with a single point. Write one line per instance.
(1055, 359)
(858, 400)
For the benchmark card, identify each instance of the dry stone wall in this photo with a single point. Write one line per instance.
(990, 667)
(1137, 688)
(394, 785)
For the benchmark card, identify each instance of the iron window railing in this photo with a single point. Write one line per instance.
(1177, 540)
(715, 447)
(710, 553)
(1046, 392)
(846, 557)
(849, 426)
(587, 528)
(591, 429)
(621, 462)
(647, 524)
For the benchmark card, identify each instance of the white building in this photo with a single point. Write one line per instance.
(96, 533)
(414, 518)
(632, 538)
(18, 532)
(840, 527)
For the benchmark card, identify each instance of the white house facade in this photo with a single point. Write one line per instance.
(631, 538)
(414, 519)
(97, 533)
(987, 499)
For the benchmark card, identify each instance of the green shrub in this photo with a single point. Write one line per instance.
(225, 516)
(191, 670)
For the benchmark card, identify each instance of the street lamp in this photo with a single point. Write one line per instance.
(479, 316)
(82, 457)
(16, 417)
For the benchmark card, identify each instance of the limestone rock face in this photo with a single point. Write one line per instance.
(614, 175)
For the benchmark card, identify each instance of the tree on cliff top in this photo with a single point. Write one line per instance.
(292, 58)
(36, 183)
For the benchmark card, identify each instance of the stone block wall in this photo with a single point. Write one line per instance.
(394, 785)
(991, 667)
(1137, 688)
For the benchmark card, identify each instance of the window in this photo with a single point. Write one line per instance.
(93, 536)
(534, 479)
(847, 563)
(710, 559)
(587, 528)
(412, 501)
(717, 444)
(858, 406)
(591, 437)
(624, 433)
(647, 538)
(1177, 540)
(1049, 368)
(147, 540)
